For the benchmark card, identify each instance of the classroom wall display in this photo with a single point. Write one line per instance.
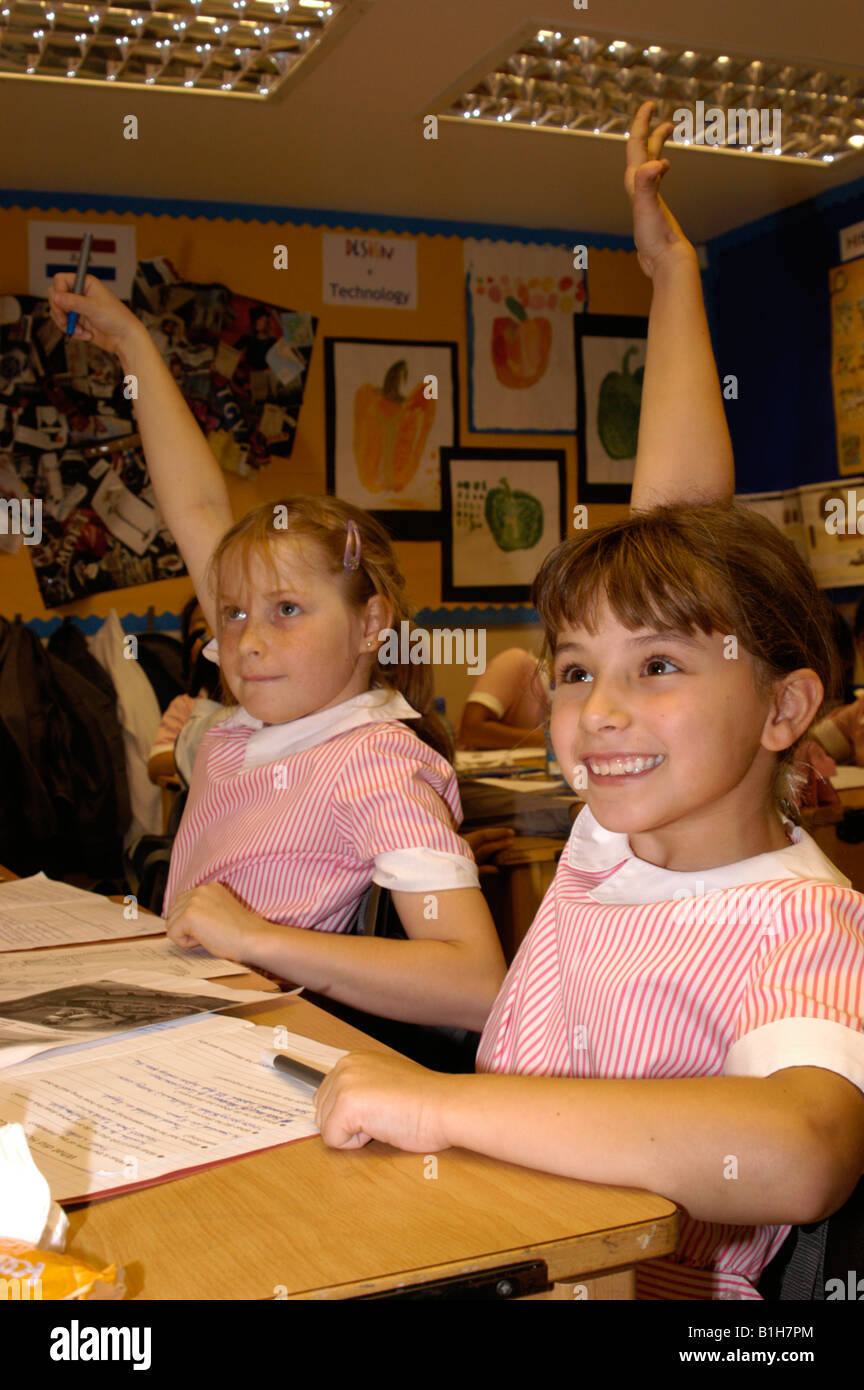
(822, 522)
(54, 247)
(847, 363)
(610, 361)
(391, 406)
(362, 270)
(503, 511)
(520, 301)
(61, 402)
(240, 363)
(101, 528)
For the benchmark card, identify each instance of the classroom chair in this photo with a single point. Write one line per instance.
(440, 1048)
(812, 1256)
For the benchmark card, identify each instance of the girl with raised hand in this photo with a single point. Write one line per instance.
(316, 785)
(686, 1014)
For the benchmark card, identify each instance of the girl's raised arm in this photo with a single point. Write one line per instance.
(684, 452)
(188, 482)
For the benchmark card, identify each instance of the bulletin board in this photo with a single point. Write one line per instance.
(241, 250)
(847, 363)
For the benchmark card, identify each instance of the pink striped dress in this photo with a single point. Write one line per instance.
(298, 819)
(634, 971)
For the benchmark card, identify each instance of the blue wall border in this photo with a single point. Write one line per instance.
(170, 622)
(314, 217)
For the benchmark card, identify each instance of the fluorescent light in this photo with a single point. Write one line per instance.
(252, 46)
(564, 80)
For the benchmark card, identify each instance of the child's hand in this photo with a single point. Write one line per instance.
(655, 230)
(102, 318)
(370, 1096)
(210, 916)
(486, 843)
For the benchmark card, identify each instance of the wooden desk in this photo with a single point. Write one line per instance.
(307, 1222)
(821, 822)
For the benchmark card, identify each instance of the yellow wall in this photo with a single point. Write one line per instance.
(240, 254)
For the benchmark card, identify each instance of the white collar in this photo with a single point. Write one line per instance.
(267, 742)
(594, 849)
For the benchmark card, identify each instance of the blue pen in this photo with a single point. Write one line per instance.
(80, 277)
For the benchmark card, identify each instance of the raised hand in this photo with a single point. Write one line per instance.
(655, 230)
(102, 318)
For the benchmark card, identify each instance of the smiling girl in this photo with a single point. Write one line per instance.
(691, 992)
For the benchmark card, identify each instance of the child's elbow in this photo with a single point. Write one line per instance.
(489, 978)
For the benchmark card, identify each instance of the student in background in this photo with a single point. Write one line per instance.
(508, 705)
(189, 716)
(841, 733)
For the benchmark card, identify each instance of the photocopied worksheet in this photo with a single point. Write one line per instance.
(124, 1002)
(128, 1113)
(25, 972)
(40, 911)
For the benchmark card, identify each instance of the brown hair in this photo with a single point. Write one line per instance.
(718, 567)
(324, 521)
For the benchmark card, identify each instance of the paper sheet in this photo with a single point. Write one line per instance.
(524, 784)
(481, 759)
(118, 1004)
(39, 911)
(26, 972)
(129, 1112)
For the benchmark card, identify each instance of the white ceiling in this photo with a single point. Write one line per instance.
(349, 135)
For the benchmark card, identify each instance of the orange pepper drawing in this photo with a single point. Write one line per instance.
(390, 431)
(520, 347)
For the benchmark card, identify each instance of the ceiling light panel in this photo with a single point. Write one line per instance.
(569, 81)
(227, 47)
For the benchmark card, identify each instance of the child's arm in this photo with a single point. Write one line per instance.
(787, 1148)
(448, 972)
(188, 482)
(684, 451)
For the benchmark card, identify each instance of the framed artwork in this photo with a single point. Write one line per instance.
(610, 361)
(391, 407)
(503, 511)
(520, 301)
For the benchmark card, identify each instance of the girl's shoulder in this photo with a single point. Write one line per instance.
(394, 738)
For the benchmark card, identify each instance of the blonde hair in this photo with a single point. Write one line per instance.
(324, 522)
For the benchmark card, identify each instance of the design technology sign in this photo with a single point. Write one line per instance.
(369, 272)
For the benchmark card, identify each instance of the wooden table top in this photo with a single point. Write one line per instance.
(304, 1221)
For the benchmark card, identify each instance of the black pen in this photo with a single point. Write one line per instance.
(80, 277)
(299, 1071)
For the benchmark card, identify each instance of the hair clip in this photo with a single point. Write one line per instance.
(351, 558)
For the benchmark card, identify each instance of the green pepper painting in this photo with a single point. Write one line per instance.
(610, 357)
(515, 518)
(618, 408)
(504, 511)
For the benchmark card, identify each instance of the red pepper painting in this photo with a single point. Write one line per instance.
(520, 347)
(390, 431)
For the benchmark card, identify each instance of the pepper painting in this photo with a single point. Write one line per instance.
(391, 406)
(610, 360)
(520, 302)
(504, 511)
